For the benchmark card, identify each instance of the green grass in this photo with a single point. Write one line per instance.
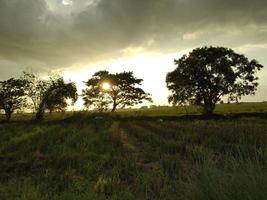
(80, 157)
(221, 109)
(192, 110)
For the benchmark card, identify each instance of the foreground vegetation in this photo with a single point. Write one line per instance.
(107, 157)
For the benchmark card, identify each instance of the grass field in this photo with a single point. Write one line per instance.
(221, 109)
(191, 110)
(125, 156)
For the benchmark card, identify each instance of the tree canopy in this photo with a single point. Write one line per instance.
(207, 74)
(35, 89)
(12, 95)
(105, 89)
(50, 94)
(55, 95)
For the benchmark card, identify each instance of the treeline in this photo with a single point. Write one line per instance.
(31, 92)
(104, 91)
(201, 78)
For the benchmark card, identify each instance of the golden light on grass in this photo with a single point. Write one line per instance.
(106, 86)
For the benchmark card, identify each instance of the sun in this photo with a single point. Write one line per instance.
(106, 86)
(66, 2)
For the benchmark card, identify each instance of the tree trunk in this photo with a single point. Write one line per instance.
(186, 111)
(114, 107)
(8, 115)
(208, 109)
(40, 112)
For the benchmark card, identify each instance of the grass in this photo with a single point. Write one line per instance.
(221, 109)
(192, 110)
(126, 157)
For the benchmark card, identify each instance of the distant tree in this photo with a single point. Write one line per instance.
(118, 90)
(153, 106)
(206, 74)
(12, 96)
(144, 107)
(55, 96)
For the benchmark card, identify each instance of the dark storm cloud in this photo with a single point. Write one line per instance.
(120, 23)
(55, 35)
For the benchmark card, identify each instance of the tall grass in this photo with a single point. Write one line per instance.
(84, 157)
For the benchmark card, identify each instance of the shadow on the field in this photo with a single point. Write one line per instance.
(97, 118)
(233, 116)
(102, 117)
(261, 115)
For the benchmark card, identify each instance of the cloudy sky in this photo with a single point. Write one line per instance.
(80, 37)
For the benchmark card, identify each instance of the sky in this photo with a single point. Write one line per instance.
(80, 37)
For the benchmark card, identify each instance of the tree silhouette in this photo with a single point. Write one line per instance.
(95, 96)
(12, 96)
(55, 94)
(123, 91)
(207, 74)
(35, 89)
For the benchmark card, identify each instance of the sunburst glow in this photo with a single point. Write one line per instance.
(106, 86)
(67, 2)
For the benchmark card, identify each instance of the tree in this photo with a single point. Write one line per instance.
(118, 90)
(95, 96)
(207, 74)
(35, 89)
(55, 96)
(12, 95)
